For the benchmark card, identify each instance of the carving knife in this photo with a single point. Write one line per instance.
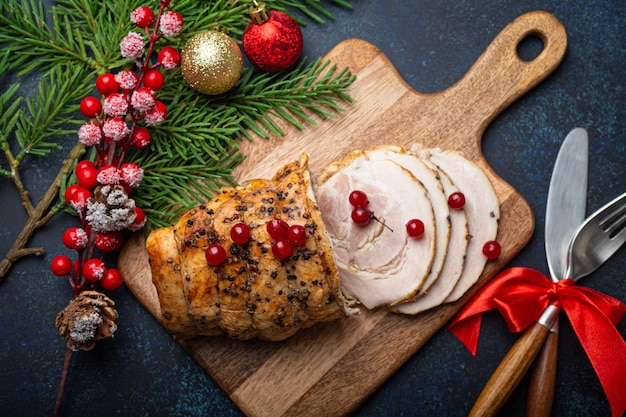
(565, 211)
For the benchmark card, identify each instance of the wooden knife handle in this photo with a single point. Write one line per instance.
(510, 371)
(543, 379)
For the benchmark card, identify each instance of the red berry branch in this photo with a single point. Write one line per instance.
(119, 120)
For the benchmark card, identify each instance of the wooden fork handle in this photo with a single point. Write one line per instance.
(543, 379)
(514, 366)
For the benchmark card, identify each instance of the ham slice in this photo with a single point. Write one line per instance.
(379, 265)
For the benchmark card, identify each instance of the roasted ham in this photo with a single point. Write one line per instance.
(253, 294)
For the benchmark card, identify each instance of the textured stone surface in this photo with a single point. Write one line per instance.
(143, 372)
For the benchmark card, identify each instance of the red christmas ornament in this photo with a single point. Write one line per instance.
(272, 40)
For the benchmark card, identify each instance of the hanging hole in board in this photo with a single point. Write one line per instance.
(530, 47)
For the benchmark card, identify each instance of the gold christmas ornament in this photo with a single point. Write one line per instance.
(211, 62)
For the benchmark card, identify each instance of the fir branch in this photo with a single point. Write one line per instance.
(31, 43)
(48, 115)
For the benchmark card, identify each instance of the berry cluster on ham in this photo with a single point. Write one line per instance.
(383, 228)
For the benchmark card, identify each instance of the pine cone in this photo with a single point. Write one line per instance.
(89, 317)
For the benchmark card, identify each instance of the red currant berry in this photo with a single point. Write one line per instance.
(277, 228)
(75, 238)
(215, 254)
(296, 235)
(90, 107)
(282, 249)
(492, 249)
(240, 233)
(141, 137)
(61, 265)
(358, 199)
(142, 16)
(107, 84)
(169, 57)
(112, 279)
(87, 174)
(109, 241)
(415, 228)
(93, 270)
(361, 216)
(456, 200)
(154, 79)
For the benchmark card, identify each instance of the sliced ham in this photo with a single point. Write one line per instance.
(379, 265)
(482, 209)
(429, 177)
(453, 265)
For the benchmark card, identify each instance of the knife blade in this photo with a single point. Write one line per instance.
(565, 211)
(567, 192)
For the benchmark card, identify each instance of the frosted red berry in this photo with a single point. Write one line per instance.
(142, 16)
(240, 233)
(456, 200)
(215, 254)
(358, 198)
(75, 238)
(277, 228)
(169, 57)
(61, 265)
(296, 235)
(107, 84)
(93, 269)
(77, 197)
(361, 215)
(139, 221)
(492, 249)
(111, 280)
(415, 228)
(282, 249)
(141, 138)
(154, 79)
(109, 241)
(90, 107)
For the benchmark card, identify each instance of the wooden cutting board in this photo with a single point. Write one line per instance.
(331, 368)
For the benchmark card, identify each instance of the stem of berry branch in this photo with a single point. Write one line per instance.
(67, 363)
(37, 215)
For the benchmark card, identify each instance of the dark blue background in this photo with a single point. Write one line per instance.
(143, 372)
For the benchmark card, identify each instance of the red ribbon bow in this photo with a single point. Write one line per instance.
(522, 294)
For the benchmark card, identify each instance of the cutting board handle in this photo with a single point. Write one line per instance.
(500, 76)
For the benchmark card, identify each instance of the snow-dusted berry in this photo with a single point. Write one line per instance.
(90, 134)
(127, 79)
(156, 114)
(132, 46)
(169, 57)
(142, 16)
(109, 175)
(115, 105)
(115, 129)
(131, 174)
(171, 23)
(143, 99)
(77, 197)
(140, 220)
(141, 137)
(75, 238)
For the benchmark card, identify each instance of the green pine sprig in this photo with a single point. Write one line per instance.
(195, 150)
